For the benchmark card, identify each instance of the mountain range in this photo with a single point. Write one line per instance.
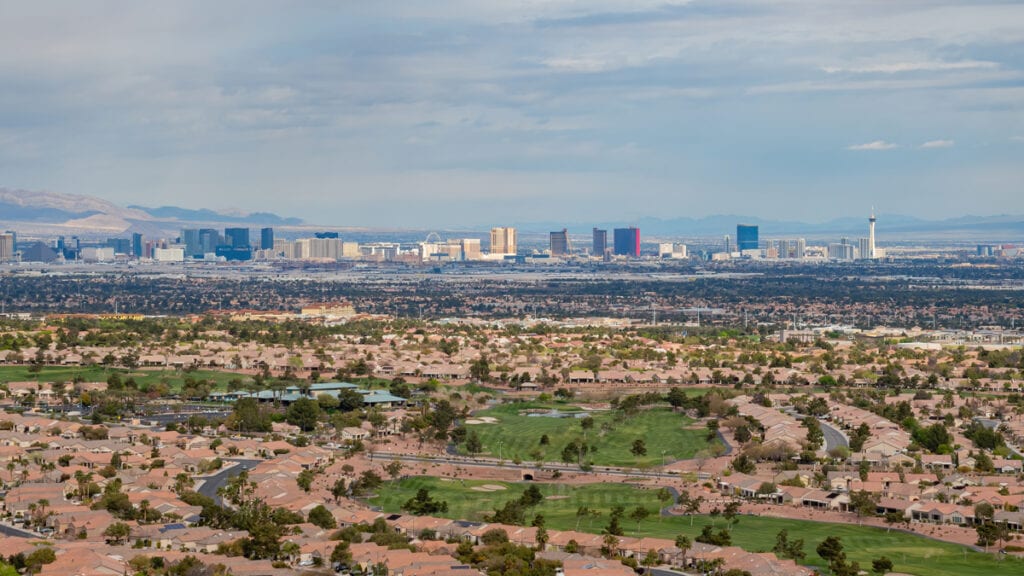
(38, 212)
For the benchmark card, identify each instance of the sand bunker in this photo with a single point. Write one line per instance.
(489, 488)
(482, 420)
(555, 497)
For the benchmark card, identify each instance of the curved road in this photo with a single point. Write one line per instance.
(212, 484)
(833, 437)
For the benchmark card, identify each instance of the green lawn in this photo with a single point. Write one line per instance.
(519, 435)
(144, 376)
(910, 554)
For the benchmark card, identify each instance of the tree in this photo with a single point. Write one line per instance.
(117, 533)
(338, 489)
(684, 544)
(424, 505)
(639, 514)
(322, 517)
(881, 565)
(786, 548)
(303, 413)
(39, 558)
(394, 469)
(639, 447)
(341, 553)
(863, 503)
(473, 443)
(743, 464)
(305, 480)
(730, 513)
(593, 364)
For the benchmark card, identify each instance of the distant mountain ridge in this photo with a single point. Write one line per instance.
(207, 215)
(58, 213)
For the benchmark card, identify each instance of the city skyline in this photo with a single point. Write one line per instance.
(395, 114)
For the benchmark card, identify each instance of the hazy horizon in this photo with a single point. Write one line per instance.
(467, 114)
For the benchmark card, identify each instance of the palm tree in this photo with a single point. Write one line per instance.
(684, 544)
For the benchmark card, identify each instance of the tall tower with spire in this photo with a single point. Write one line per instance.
(871, 235)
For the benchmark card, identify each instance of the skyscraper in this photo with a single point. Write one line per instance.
(600, 242)
(137, 245)
(6, 247)
(209, 239)
(627, 241)
(266, 239)
(559, 242)
(503, 240)
(872, 253)
(236, 237)
(746, 237)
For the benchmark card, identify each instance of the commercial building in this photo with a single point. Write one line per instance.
(266, 239)
(794, 248)
(672, 250)
(237, 237)
(627, 241)
(842, 251)
(600, 246)
(7, 247)
(137, 245)
(746, 237)
(558, 242)
(503, 241)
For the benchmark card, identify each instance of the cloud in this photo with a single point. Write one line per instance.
(876, 145)
(1017, 138)
(938, 144)
(900, 67)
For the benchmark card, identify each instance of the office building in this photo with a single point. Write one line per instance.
(209, 239)
(746, 237)
(137, 245)
(842, 251)
(627, 241)
(266, 239)
(503, 241)
(236, 237)
(193, 245)
(558, 242)
(795, 248)
(728, 244)
(470, 248)
(119, 245)
(7, 247)
(672, 250)
(600, 242)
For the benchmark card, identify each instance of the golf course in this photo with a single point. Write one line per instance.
(911, 554)
(533, 431)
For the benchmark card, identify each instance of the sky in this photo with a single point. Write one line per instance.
(478, 112)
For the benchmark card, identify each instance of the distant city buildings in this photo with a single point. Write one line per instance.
(503, 241)
(7, 243)
(671, 250)
(558, 242)
(746, 237)
(627, 241)
(266, 239)
(791, 249)
(600, 243)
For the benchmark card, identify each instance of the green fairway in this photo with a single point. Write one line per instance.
(517, 436)
(910, 554)
(145, 377)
